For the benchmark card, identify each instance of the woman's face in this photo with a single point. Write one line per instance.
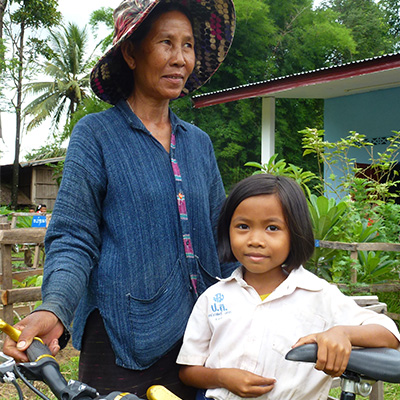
(163, 61)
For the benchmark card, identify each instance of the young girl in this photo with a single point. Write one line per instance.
(242, 327)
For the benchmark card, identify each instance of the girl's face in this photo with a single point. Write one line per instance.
(260, 239)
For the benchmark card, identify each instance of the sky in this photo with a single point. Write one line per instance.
(78, 12)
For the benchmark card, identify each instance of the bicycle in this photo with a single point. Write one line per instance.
(44, 367)
(364, 368)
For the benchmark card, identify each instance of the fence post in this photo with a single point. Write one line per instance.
(353, 256)
(6, 271)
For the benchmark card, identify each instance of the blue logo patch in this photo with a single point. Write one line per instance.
(218, 297)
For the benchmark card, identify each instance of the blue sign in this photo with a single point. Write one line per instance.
(39, 221)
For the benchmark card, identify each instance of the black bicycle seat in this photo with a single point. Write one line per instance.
(378, 364)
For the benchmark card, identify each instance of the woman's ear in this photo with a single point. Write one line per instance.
(127, 48)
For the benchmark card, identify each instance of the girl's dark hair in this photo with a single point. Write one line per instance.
(295, 209)
(120, 69)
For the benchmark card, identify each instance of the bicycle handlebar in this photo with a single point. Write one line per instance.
(379, 364)
(44, 367)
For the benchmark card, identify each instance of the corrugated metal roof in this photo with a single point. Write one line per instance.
(34, 163)
(339, 80)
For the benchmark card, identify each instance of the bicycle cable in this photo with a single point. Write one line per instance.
(30, 386)
(19, 390)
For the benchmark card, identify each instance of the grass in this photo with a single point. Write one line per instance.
(391, 392)
(68, 367)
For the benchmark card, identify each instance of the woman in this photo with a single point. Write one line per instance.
(131, 242)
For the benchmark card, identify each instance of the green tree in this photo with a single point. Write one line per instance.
(24, 19)
(104, 15)
(273, 38)
(391, 10)
(269, 42)
(368, 24)
(3, 5)
(69, 70)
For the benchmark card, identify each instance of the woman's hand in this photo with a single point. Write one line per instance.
(43, 324)
(334, 348)
(244, 383)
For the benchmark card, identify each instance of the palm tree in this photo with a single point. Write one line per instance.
(69, 70)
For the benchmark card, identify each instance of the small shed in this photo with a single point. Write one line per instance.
(37, 184)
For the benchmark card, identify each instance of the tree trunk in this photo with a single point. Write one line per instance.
(3, 5)
(15, 185)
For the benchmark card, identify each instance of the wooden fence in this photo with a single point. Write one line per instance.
(11, 237)
(10, 296)
(353, 248)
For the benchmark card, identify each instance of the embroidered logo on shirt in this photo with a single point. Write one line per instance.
(218, 309)
(218, 297)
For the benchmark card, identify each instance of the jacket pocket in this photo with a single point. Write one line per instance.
(157, 323)
(205, 279)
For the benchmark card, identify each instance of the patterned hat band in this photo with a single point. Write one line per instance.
(214, 24)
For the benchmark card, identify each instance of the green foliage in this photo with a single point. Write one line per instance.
(375, 267)
(104, 15)
(391, 391)
(36, 13)
(368, 215)
(69, 70)
(391, 10)
(24, 222)
(30, 281)
(4, 210)
(368, 25)
(327, 218)
(281, 168)
(51, 150)
(273, 38)
(367, 186)
(387, 217)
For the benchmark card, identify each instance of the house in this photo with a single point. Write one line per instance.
(37, 184)
(362, 96)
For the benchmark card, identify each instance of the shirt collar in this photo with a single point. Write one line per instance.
(299, 278)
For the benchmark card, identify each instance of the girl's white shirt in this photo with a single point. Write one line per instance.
(231, 327)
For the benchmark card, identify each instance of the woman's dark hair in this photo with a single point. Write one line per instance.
(295, 210)
(120, 69)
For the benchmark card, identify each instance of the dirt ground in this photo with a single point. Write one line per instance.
(66, 354)
(8, 391)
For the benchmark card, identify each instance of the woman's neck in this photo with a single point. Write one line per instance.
(155, 117)
(149, 110)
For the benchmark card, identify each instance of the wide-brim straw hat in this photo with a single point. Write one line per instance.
(214, 24)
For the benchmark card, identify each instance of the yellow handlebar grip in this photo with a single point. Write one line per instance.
(158, 392)
(9, 330)
(12, 332)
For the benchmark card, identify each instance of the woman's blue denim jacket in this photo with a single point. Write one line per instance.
(114, 241)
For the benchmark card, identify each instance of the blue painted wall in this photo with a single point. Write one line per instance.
(375, 114)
